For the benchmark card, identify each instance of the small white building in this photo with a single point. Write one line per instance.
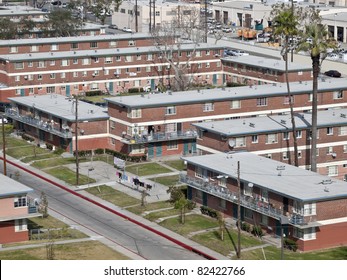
(149, 14)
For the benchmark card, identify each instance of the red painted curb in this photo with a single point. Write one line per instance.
(114, 211)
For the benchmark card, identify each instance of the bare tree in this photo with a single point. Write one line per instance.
(170, 40)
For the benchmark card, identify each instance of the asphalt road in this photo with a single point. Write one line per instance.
(105, 224)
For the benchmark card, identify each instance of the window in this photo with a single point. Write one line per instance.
(149, 56)
(137, 149)
(222, 203)
(207, 65)
(330, 150)
(207, 52)
(75, 61)
(34, 48)
(93, 44)
(108, 60)
(198, 53)
(30, 77)
(41, 64)
(286, 135)
(171, 110)
(138, 57)
(264, 195)
(74, 46)
(118, 58)
(188, 53)
(240, 142)
(39, 77)
(54, 47)
(13, 49)
(131, 43)
(75, 74)
(254, 138)
(262, 101)
(19, 65)
(309, 209)
(271, 138)
(298, 134)
(85, 61)
(63, 75)
(172, 145)
(20, 225)
(222, 182)
(332, 170)
(157, 13)
(264, 220)
(52, 62)
(17, 78)
(248, 213)
(287, 99)
(247, 190)
(208, 107)
(50, 89)
(64, 62)
(268, 156)
(235, 104)
(342, 130)
(330, 131)
(134, 113)
(20, 201)
(52, 76)
(148, 69)
(200, 172)
(310, 97)
(300, 73)
(338, 94)
(285, 155)
(128, 58)
(30, 64)
(198, 194)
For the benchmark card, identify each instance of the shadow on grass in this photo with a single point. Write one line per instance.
(231, 239)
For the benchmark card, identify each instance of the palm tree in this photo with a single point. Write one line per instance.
(285, 27)
(317, 42)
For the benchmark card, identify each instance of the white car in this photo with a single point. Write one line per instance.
(5, 121)
(126, 29)
(238, 52)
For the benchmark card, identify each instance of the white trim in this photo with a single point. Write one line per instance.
(203, 148)
(333, 221)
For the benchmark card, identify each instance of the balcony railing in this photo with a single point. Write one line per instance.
(158, 137)
(245, 201)
(45, 126)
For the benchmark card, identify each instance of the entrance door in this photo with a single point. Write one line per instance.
(150, 150)
(68, 90)
(158, 149)
(185, 148)
(214, 79)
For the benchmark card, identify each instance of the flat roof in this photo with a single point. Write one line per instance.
(62, 107)
(270, 63)
(78, 39)
(225, 94)
(97, 52)
(19, 10)
(293, 182)
(274, 123)
(340, 16)
(10, 187)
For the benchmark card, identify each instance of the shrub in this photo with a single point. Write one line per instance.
(290, 244)
(27, 138)
(94, 93)
(208, 211)
(257, 231)
(49, 146)
(246, 226)
(133, 90)
(99, 151)
(126, 157)
(191, 205)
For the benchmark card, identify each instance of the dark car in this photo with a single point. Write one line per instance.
(113, 26)
(333, 73)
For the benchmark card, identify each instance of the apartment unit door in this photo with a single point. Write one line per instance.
(150, 152)
(158, 149)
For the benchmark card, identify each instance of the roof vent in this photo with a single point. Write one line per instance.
(343, 115)
(251, 124)
(283, 122)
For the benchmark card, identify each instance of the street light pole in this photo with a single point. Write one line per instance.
(238, 213)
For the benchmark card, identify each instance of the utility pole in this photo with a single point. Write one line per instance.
(136, 19)
(3, 144)
(76, 141)
(292, 50)
(205, 21)
(150, 16)
(238, 213)
(154, 15)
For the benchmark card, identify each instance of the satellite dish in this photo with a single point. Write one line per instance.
(231, 143)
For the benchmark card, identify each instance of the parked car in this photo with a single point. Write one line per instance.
(127, 29)
(113, 26)
(5, 120)
(333, 73)
(238, 52)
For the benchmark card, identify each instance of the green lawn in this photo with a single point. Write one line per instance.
(15, 142)
(146, 169)
(52, 162)
(213, 241)
(69, 176)
(177, 164)
(25, 151)
(167, 180)
(138, 209)
(111, 195)
(96, 98)
(193, 223)
(40, 157)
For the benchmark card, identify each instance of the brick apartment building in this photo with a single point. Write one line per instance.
(271, 136)
(51, 119)
(15, 208)
(158, 123)
(256, 70)
(272, 193)
(102, 63)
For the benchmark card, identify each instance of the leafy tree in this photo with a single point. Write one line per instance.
(169, 39)
(317, 42)
(221, 223)
(182, 204)
(26, 26)
(61, 23)
(102, 9)
(8, 29)
(175, 193)
(285, 27)
(43, 206)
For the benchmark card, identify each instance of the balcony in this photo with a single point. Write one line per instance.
(159, 137)
(245, 201)
(45, 126)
